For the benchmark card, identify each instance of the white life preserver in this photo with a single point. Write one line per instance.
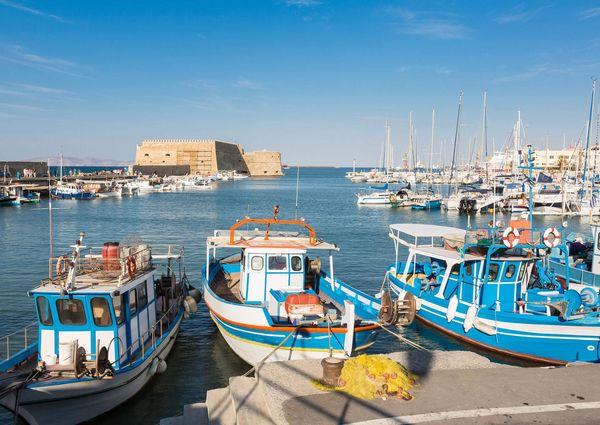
(452, 306)
(470, 318)
(510, 237)
(551, 237)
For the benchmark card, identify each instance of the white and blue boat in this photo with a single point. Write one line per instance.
(271, 301)
(106, 321)
(71, 191)
(496, 290)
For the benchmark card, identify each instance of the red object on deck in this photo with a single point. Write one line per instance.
(524, 228)
(309, 303)
(110, 256)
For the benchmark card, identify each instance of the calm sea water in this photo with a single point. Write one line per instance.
(201, 360)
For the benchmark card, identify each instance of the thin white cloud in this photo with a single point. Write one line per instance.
(244, 83)
(430, 25)
(21, 56)
(594, 12)
(518, 14)
(302, 3)
(41, 89)
(20, 107)
(31, 10)
(543, 70)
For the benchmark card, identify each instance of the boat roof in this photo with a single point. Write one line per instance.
(276, 239)
(418, 230)
(446, 254)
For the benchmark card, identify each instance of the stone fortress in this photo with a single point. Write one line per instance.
(203, 156)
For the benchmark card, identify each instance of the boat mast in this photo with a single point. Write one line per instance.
(587, 137)
(61, 167)
(484, 135)
(456, 136)
(432, 139)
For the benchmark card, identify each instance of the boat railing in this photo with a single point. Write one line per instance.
(147, 342)
(20, 340)
(576, 275)
(131, 262)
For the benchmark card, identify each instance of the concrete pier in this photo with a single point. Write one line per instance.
(452, 388)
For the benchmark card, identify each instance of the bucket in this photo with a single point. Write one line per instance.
(65, 353)
(50, 359)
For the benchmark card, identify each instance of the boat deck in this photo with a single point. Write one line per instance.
(227, 286)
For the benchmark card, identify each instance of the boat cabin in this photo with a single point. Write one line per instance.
(268, 269)
(105, 302)
(441, 264)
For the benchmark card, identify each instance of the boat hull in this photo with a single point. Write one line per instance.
(256, 337)
(532, 337)
(83, 400)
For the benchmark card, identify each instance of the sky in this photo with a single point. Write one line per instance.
(313, 79)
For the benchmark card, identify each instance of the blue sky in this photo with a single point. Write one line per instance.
(314, 79)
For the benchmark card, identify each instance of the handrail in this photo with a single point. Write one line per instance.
(24, 340)
(272, 221)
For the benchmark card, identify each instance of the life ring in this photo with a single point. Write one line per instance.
(131, 266)
(510, 237)
(393, 199)
(551, 237)
(62, 265)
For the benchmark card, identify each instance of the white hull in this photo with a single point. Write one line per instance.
(85, 400)
(114, 194)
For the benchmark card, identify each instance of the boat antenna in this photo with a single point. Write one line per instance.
(587, 137)
(50, 221)
(456, 136)
(297, 191)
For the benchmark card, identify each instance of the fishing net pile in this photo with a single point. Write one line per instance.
(375, 376)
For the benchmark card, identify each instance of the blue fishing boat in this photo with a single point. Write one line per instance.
(107, 319)
(71, 191)
(271, 301)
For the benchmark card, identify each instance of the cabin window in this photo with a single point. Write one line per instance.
(257, 263)
(70, 312)
(101, 312)
(278, 263)
(296, 263)
(598, 243)
(493, 275)
(142, 294)
(118, 307)
(510, 271)
(469, 269)
(44, 313)
(132, 302)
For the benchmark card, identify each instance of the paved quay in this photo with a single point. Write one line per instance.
(453, 388)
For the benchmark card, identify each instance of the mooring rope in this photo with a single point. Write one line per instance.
(402, 338)
(255, 367)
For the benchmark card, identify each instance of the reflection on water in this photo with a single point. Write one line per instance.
(201, 359)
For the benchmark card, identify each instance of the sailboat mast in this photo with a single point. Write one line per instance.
(587, 137)
(484, 135)
(456, 136)
(432, 139)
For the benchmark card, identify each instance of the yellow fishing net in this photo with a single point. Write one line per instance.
(374, 376)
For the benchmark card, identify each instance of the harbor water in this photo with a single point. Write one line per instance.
(201, 359)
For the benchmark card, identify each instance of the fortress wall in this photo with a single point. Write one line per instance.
(264, 163)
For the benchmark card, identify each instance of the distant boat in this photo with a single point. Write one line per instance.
(71, 191)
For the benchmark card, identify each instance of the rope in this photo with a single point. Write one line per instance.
(402, 338)
(255, 367)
